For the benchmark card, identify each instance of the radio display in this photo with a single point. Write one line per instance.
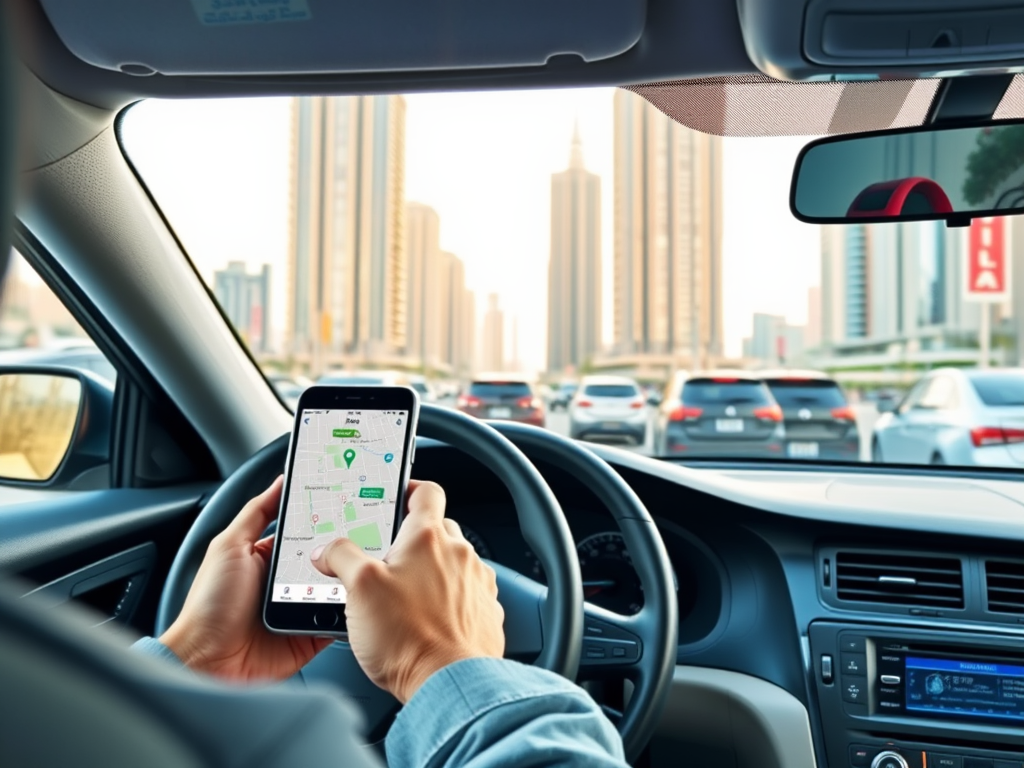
(958, 688)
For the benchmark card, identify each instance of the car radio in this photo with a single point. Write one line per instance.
(898, 696)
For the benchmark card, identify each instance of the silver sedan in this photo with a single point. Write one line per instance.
(957, 417)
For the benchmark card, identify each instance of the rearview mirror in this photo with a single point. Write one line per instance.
(54, 424)
(914, 175)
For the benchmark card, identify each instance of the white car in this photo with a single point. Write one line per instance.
(959, 417)
(608, 406)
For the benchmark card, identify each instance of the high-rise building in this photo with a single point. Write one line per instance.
(492, 353)
(424, 266)
(461, 319)
(245, 300)
(668, 235)
(574, 269)
(347, 281)
(774, 341)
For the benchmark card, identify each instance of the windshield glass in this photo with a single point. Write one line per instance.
(1000, 389)
(807, 394)
(538, 238)
(610, 390)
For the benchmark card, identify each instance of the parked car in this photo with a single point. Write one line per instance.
(504, 397)
(719, 414)
(608, 406)
(819, 422)
(424, 388)
(562, 395)
(83, 356)
(955, 416)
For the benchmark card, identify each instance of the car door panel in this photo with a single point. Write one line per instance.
(109, 549)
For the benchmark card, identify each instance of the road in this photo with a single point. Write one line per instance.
(558, 421)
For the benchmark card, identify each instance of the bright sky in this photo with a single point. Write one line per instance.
(219, 170)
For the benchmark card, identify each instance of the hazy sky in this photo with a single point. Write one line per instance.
(219, 169)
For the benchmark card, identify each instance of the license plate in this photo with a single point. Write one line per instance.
(610, 425)
(803, 450)
(500, 413)
(729, 425)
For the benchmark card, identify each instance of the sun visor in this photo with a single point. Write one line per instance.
(854, 39)
(278, 37)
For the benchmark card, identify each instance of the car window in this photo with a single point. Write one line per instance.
(807, 394)
(914, 396)
(560, 237)
(1000, 389)
(940, 394)
(499, 389)
(38, 414)
(610, 390)
(708, 392)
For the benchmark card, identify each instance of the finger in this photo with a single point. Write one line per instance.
(343, 559)
(454, 529)
(264, 547)
(255, 516)
(425, 503)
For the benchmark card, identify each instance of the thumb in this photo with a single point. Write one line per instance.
(344, 560)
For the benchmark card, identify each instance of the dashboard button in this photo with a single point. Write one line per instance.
(826, 669)
(977, 762)
(853, 664)
(889, 759)
(860, 756)
(854, 691)
(940, 760)
(891, 679)
(853, 644)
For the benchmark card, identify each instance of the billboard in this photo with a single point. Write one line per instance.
(987, 275)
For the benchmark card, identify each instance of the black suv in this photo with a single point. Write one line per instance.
(820, 424)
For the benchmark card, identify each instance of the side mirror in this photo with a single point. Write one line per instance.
(54, 424)
(654, 400)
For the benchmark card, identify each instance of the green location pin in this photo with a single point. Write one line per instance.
(349, 456)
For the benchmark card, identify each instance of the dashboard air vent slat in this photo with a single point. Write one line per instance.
(1004, 583)
(893, 579)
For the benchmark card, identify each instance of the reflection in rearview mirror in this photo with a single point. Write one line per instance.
(38, 414)
(934, 173)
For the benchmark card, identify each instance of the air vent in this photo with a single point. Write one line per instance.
(872, 577)
(1004, 584)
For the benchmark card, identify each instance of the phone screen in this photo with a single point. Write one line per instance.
(345, 481)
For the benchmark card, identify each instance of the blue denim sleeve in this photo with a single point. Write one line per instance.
(150, 646)
(480, 713)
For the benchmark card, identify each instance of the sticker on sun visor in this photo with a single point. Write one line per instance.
(223, 12)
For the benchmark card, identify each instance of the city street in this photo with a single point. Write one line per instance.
(558, 421)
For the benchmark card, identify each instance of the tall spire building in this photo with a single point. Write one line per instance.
(574, 269)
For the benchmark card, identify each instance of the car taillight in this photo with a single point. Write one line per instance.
(983, 436)
(844, 414)
(768, 413)
(468, 401)
(583, 403)
(685, 413)
(637, 404)
(527, 401)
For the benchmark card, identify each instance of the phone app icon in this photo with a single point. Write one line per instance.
(309, 590)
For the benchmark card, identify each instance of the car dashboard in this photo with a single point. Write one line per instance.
(891, 608)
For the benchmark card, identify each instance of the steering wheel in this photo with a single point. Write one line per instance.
(551, 625)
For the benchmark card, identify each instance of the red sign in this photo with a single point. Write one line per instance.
(987, 276)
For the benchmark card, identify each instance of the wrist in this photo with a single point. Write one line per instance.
(175, 638)
(426, 665)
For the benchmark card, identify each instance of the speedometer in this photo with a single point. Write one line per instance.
(609, 579)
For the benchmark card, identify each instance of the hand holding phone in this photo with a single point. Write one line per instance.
(346, 476)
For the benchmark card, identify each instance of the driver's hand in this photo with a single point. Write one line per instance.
(429, 603)
(220, 629)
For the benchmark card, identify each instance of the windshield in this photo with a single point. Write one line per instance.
(492, 246)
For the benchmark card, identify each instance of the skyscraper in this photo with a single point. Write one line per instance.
(492, 354)
(461, 319)
(668, 235)
(245, 300)
(347, 281)
(423, 255)
(574, 269)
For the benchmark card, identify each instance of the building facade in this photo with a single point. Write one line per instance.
(668, 236)
(492, 343)
(574, 268)
(245, 299)
(347, 291)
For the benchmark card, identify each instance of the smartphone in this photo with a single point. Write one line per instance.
(347, 472)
